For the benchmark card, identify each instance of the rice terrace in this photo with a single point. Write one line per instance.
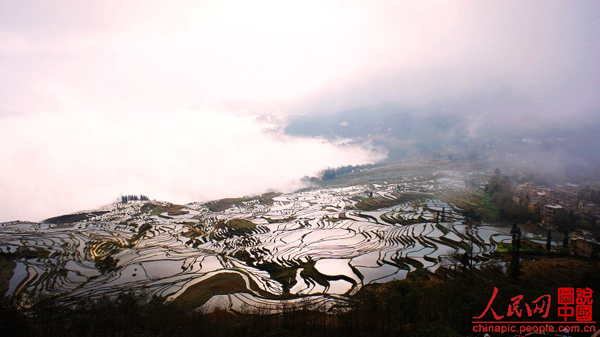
(382, 250)
(320, 245)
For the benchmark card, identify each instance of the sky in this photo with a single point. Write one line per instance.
(99, 98)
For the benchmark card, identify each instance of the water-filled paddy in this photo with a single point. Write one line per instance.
(313, 245)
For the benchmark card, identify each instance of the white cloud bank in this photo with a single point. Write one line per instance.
(99, 97)
(64, 162)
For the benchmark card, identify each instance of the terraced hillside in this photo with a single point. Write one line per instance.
(316, 246)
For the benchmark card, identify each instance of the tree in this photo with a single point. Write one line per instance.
(516, 237)
(329, 174)
(465, 260)
(515, 265)
(549, 242)
(453, 259)
(566, 239)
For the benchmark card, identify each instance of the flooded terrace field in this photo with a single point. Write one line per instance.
(318, 246)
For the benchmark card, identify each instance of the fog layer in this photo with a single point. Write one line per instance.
(65, 162)
(156, 97)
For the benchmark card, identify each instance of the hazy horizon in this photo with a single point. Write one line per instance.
(188, 101)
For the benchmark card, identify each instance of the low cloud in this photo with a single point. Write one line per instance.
(144, 68)
(64, 162)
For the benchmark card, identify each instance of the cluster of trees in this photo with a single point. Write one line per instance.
(497, 203)
(331, 173)
(126, 198)
(566, 220)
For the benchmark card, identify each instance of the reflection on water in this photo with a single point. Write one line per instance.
(349, 248)
(19, 274)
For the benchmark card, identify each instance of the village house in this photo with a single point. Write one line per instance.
(551, 211)
(533, 208)
(587, 207)
(584, 245)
